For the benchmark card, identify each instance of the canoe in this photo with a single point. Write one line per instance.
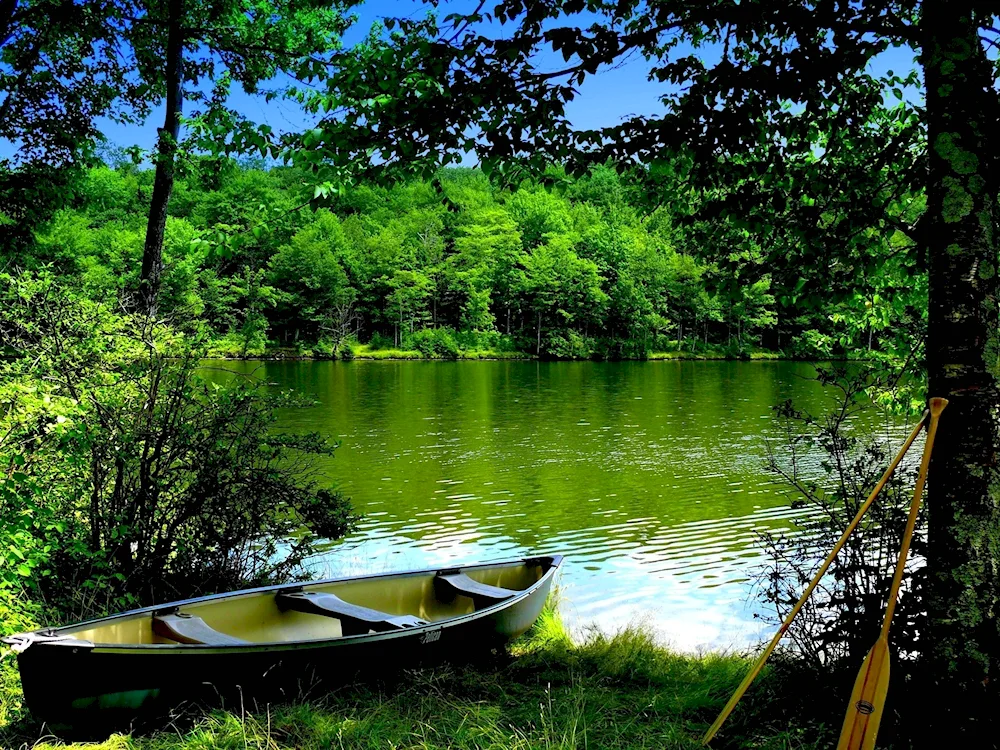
(149, 657)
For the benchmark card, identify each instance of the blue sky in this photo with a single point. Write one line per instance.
(605, 98)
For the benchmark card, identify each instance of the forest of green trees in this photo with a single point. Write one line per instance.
(454, 266)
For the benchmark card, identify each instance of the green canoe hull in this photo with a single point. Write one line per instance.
(120, 666)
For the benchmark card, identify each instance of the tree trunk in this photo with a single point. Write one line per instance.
(538, 341)
(95, 505)
(963, 642)
(166, 146)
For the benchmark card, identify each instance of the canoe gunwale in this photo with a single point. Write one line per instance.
(51, 637)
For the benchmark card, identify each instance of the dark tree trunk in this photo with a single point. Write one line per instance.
(963, 640)
(95, 506)
(163, 182)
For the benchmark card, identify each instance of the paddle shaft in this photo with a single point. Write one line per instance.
(937, 406)
(762, 659)
(865, 713)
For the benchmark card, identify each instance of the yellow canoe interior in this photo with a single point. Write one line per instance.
(257, 617)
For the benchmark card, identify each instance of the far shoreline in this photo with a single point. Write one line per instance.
(395, 355)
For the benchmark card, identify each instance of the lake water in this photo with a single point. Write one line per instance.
(648, 476)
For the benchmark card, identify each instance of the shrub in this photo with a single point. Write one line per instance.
(812, 344)
(129, 478)
(842, 618)
(433, 342)
(346, 349)
(568, 345)
(378, 341)
(480, 341)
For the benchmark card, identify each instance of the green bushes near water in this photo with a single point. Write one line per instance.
(436, 343)
(127, 478)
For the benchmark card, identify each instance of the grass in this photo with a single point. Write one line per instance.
(620, 692)
(710, 354)
(364, 351)
(714, 351)
(226, 348)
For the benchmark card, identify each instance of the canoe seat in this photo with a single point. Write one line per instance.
(354, 619)
(449, 585)
(185, 628)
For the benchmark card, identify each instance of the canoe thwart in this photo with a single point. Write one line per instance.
(354, 619)
(185, 628)
(449, 585)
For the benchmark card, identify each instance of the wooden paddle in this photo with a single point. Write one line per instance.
(864, 713)
(762, 659)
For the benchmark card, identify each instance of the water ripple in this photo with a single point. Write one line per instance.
(649, 477)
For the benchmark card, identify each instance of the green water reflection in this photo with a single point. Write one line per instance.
(648, 476)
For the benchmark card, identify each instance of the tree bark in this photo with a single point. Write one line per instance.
(962, 649)
(166, 146)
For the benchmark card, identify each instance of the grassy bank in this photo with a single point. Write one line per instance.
(225, 349)
(719, 352)
(364, 351)
(608, 692)
(228, 348)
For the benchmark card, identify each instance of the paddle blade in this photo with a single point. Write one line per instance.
(867, 700)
